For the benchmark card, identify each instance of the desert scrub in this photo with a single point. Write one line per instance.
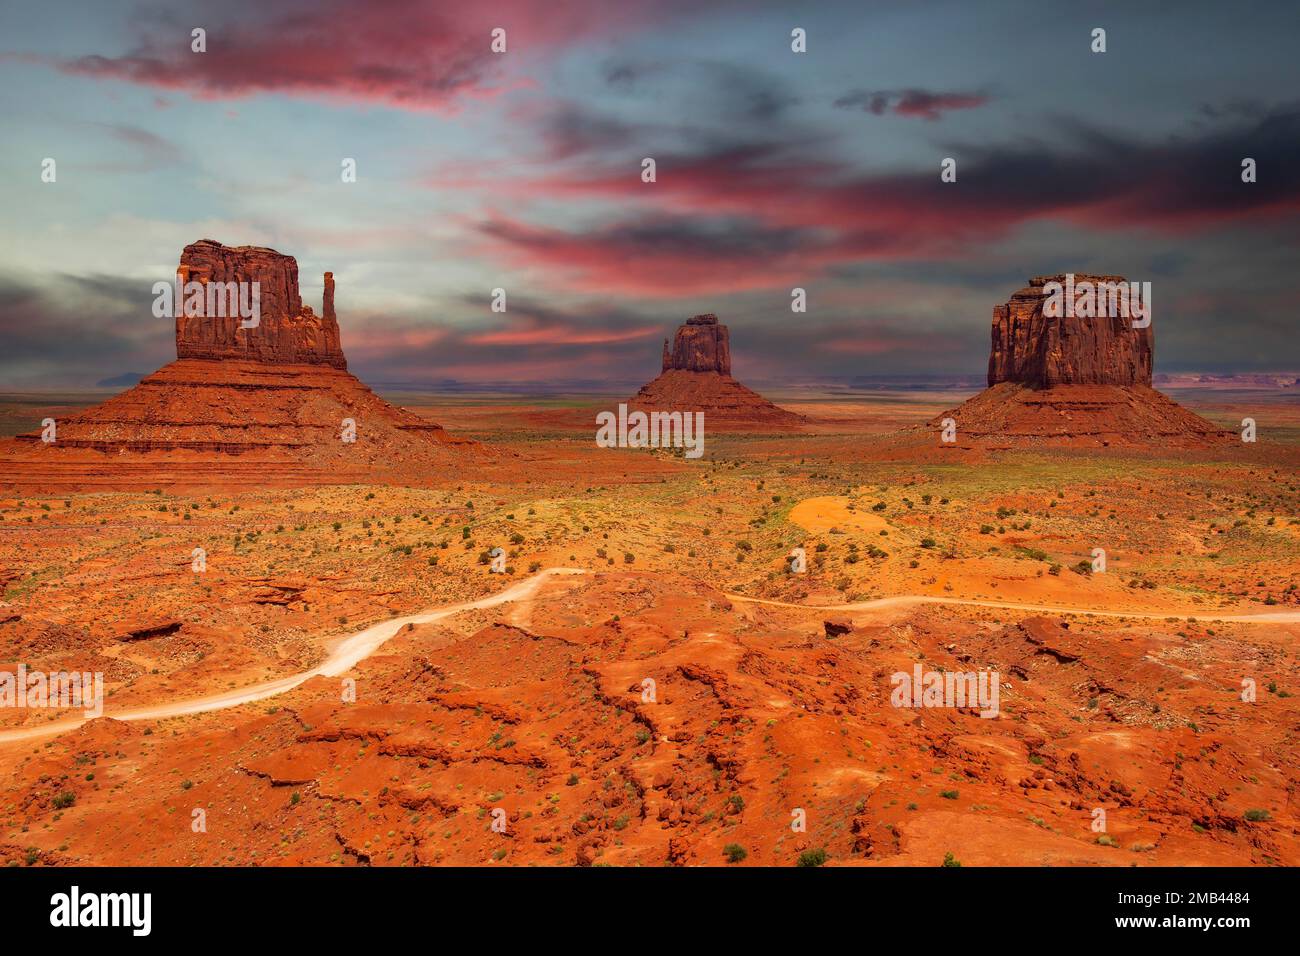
(812, 857)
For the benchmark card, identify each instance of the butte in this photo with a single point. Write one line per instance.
(1072, 382)
(696, 376)
(266, 405)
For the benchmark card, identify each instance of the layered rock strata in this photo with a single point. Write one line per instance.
(1032, 347)
(287, 332)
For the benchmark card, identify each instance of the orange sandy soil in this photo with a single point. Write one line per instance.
(535, 706)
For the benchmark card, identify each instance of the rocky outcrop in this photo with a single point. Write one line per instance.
(1011, 415)
(273, 404)
(696, 376)
(1069, 381)
(701, 345)
(1038, 350)
(287, 333)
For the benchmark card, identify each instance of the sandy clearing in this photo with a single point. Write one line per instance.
(819, 515)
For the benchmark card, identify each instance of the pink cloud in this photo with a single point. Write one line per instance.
(758, 216)
(651, 258)
(533, 332)
(406, 54)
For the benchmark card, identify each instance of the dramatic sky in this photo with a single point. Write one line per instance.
(775, 169)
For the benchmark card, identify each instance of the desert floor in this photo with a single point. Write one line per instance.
(281, 713)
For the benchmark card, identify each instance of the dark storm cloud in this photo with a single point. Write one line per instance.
(1183, 182)
(738, 94)
(665, 255)
(569, 131)
(537, 341)
(744, 94)
(910, 102)
(762, 211)
(78, 328)
(627, 74)
(1249, 109)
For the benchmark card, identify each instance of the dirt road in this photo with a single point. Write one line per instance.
(357, 647)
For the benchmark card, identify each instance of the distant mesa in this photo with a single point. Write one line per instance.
(266, 403)
(1072, 381)
(1231, 380)
(125, 380)
(696, 376)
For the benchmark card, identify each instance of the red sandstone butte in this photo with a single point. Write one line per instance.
(1071, 381)
(266, 404)
(288, 331)
(696, 376)
(1041, 351)
(701, 345)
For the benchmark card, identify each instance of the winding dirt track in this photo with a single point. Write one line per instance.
(345, 655)
(348, 652)
(905, 600)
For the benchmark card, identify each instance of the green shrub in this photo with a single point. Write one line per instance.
(812, 857)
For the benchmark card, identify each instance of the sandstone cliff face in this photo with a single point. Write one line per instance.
(1040, 351)
(288, 332)
(701, 345)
